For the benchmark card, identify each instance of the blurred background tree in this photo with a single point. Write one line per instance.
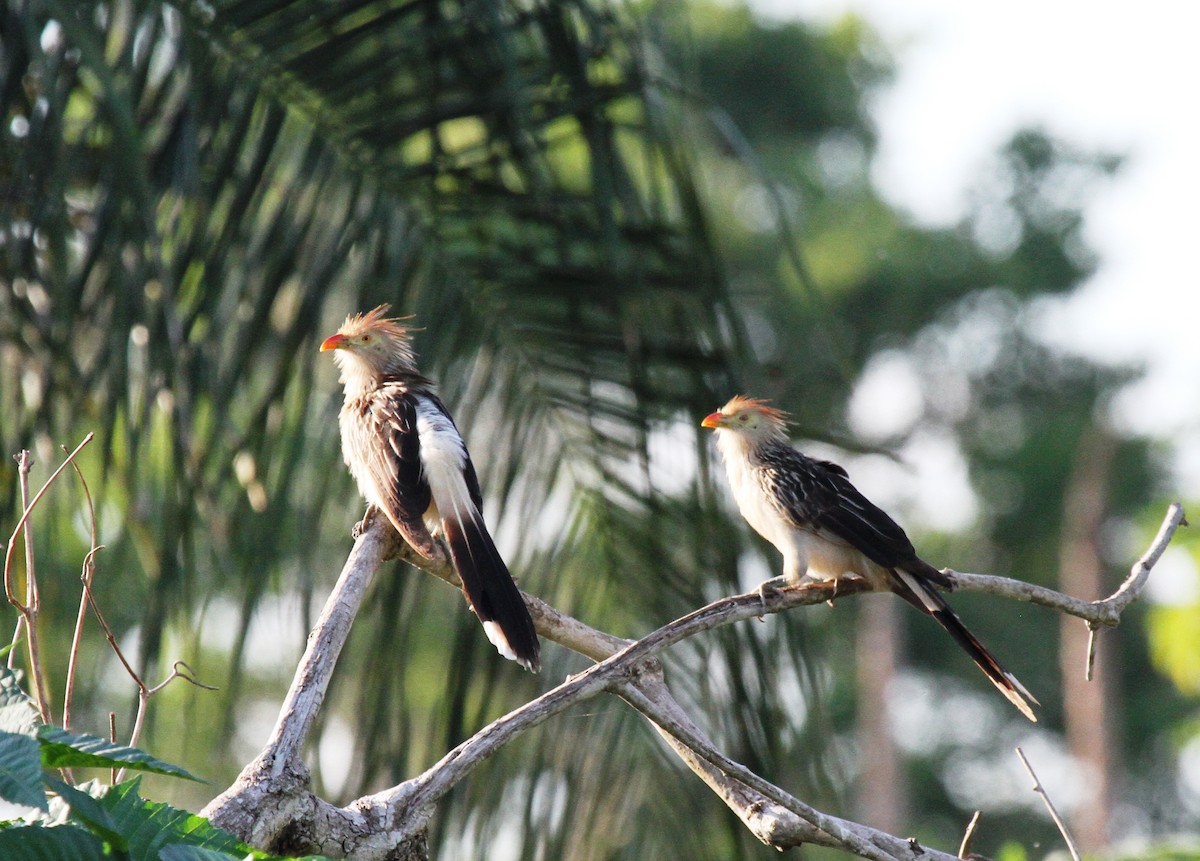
(606, 219)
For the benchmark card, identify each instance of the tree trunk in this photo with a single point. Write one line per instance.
(881, 789)
(1088, 706)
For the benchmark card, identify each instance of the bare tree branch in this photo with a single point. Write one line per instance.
(824, 829)
(1104, 612)
(271, 804)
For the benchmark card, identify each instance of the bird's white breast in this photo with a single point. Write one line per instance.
(752, 501)
(357, 440)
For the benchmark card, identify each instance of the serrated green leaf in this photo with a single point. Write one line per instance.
(151, 826)
(17, 712)
(88, 810)
(183, 852)
(180, 852)
(65, 843)
(21, 771)
(61, 749)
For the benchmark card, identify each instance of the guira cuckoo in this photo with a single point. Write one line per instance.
(826, 529)
(412, 465)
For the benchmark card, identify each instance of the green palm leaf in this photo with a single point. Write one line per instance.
(236, 176)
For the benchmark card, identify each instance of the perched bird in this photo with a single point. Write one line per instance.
(826, 529)
(412, 465)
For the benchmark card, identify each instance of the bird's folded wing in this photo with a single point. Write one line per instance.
(395, 466)
(819, 494)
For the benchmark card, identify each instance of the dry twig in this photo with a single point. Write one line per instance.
(85, 575)
(965, 846)
(1041, 790)
(28, 608)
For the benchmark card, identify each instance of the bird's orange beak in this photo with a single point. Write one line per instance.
(334, 342)
(712, 420)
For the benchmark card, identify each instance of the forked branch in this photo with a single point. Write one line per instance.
(271, 796)
(1106, 611)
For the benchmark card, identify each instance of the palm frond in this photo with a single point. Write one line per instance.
(202, 190)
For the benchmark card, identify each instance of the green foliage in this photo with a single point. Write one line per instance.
(117, 820)
(38, 843)
(61, 749)
(92, 820)
(1013, 852)
(150, 826)
(784, 81)
(17, 712)
(21, 770)
(1174, 634)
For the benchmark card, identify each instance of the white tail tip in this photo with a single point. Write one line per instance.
(501, 643)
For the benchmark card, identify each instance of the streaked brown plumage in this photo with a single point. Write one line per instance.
(411, 464)
(826, 529)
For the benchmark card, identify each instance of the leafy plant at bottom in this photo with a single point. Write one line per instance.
(92, 820)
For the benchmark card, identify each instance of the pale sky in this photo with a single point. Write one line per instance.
(1112, 77)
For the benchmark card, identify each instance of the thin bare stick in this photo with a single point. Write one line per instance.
(1088, 671)
(1040, 790)
(182, 670)
(32, 604)
(32, 607)
(144, 694)
(966, 841)
(112, 736)
(86, 575)
(16, 638)
(111, 637)
(8, 585)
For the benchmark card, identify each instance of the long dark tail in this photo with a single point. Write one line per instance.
(490, 590)
(912, 588)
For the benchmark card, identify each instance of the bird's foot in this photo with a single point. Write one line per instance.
(769, 588)
(833, 597)
(854, 583)
(359, 528)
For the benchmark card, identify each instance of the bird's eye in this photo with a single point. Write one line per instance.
(366, 339)
(743, 418)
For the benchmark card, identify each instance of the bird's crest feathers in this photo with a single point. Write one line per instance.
(376, 320)
(776, 417)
